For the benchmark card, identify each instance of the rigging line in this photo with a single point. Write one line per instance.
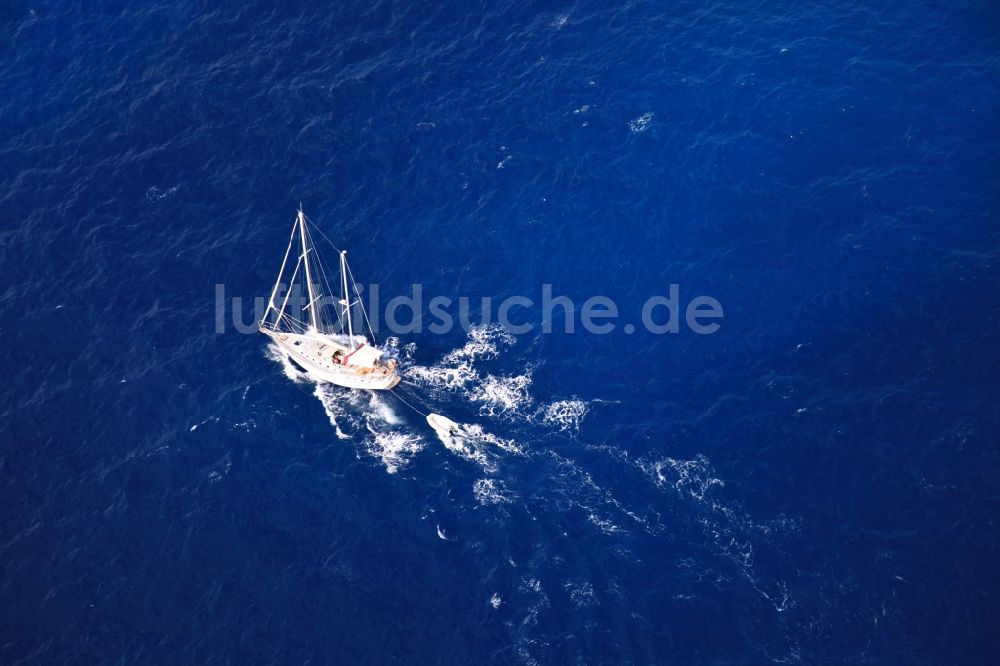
(325, 237)
(326, 278)
(288, 293)
(297, 321)
(303, 327)
(281, 272)
(404, 382)
(346, 297)
(393, 391)
(325, 272)
(318, 313)
(363, 311)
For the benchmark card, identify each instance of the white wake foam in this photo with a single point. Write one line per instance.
(691, 477)
(565, 414)
(393, 448)
(484, 342)
(497, 396)
(471, 442)
(641, 123)
(274, 353)
(500, 396)
(732, 532)
(491, 491)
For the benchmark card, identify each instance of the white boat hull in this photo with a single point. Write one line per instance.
(314, 354)
(443, 426)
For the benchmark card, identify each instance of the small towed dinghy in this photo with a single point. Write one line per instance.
(457, 438)
(444, 427)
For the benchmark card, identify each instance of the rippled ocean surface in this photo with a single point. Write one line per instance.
(815, 483)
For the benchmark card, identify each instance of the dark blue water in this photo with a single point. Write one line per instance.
(816, 482)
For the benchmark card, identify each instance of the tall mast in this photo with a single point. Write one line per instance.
(309, 282)
(347, 297)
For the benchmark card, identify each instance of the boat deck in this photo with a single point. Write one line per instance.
(320, 357)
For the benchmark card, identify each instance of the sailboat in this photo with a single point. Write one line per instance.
(307, 335)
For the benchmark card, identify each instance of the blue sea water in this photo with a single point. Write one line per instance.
(815, 483)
